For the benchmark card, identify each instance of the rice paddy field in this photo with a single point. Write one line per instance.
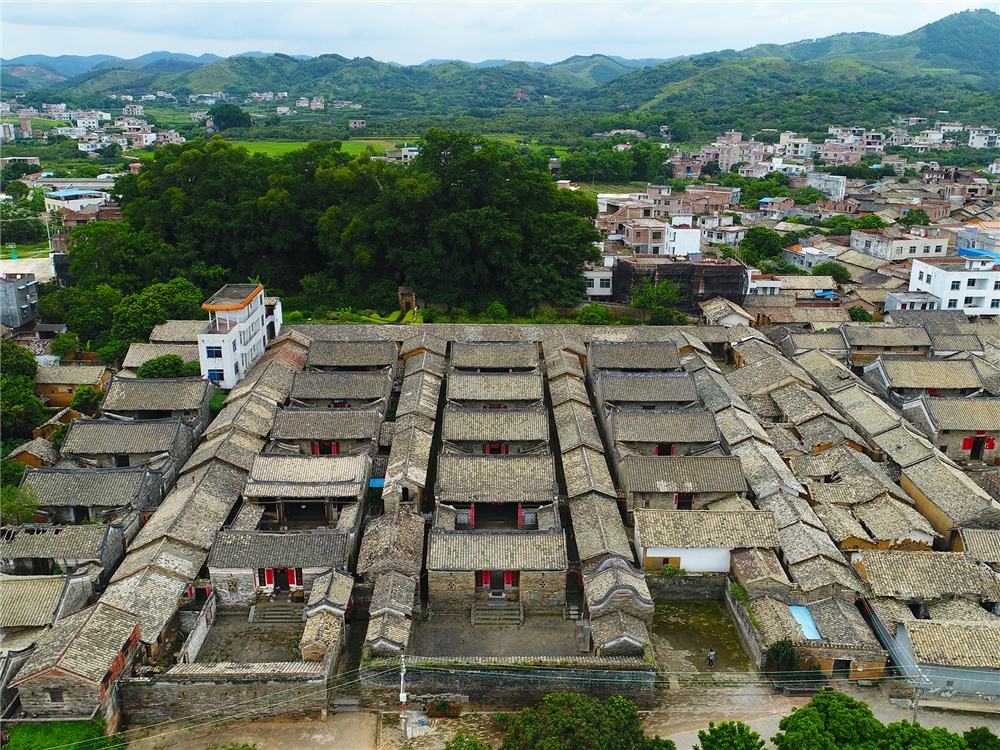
(279, 148)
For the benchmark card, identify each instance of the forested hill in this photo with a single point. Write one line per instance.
(952, 64)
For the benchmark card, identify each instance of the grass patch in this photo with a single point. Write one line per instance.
(81, 735)
(280, 148)
(41, 250)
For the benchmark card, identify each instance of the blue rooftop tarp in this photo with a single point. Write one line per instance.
(805, 620)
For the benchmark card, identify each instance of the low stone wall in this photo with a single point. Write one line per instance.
(749, 636)
(199, 632)
(222, 692)
(688, 586)
(509, 683)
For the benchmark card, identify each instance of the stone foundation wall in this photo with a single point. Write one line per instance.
(235, 589)
(450, 592)
(748, 633)
(513, 683)
(543, 591)
(688, 586)
(78, 700)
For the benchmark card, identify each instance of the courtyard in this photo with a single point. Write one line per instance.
(684, 631)
(454, 635)
(234, 639)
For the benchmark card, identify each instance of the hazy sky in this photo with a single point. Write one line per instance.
(411, 32)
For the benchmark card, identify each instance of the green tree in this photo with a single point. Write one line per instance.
(18, 190)
(760, 243)
(111, 151)
(465, 741)
(59, 434)
(20, 409)
(905, 736)
(839, 272)
(729, 735)
(11, 472)
(16, 360)
(112, 253)
(64, 343)
(594, 314)
(86, 400)
(17, 504)
(495, 313)
(981, 738)
(666, 316)
(566, 721)
(915, 216)
(859, 314)
(649, 295)
(225, 116)
(164, 366)
(830, 721)
(806, 196)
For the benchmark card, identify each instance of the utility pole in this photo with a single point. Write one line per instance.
(402, 700)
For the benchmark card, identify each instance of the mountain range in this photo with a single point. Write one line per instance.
(954, 59)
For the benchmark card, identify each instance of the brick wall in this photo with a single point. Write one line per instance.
(691, 586)
(79, 698)
(543, 590)
(451, 592)
(235, 589)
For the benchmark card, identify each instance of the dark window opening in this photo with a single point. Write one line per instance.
(685, 501)
(665, 449)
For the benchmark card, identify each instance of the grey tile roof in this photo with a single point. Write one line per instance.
(820, 572)
(824, 431)
(71, 375)
(330, 589)
(775, 621)
(135, 394)
(719, 307)
(966, 414)
(271, 379)
(647, 387)
(647, 426)
(432, 363)
(634, 356)
(178, 332)
(395, 593)
(812, 341)
(905, 372)
(785, 442)
(481, 355)
(232, 446)
(866, 410)
(766, 376)
(618, 628)
(352, 354)
(496, 550)
(885, 335)
(611, 577)
(764, 469)
(842, 526)
(216, 478)
(841, 623)
(562, 363)
(150, 593)
(562, 390)
(388, 633)
(39, 447)
(957, 342)
(495, 387)
(757, 564)
(737, 425)
(955, 644)
(419, 395)
(575, 426)
(248, 517)
(278, 549)
(888, 518)
(920, 575)
(139, 354)
(981, 544)
(253, 415)
(800, 541)
(495, 479)
(103, 436)
(961, 610)
(951, 491)
(326, 424)
(361, 386)
(393, 541)
(529, 425)
(598, 528)
(85, 542)
(409, 457)
(166, 555)
(567, 338)
(29, 601)
(586, 470)
(286, 475)
(426, 341)
(754, 350)
(789, 509)
(702, 529)
(682, 474)
(798, 405)
(85, 644)
(715, 391)
(89, 487)
(190, 515)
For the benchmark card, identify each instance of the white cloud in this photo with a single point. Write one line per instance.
(410, 32)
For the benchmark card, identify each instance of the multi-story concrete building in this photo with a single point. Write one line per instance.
(18, 299)
(891, 244)
(983, 138)
(970, 284)
(241, 323)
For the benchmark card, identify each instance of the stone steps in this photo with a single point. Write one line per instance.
(278, 613)
(491, 615)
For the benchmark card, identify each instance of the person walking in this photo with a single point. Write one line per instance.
(711, 658)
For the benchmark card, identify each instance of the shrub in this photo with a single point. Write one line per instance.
(594, 314)
(459, 315)
(495, 313)
(86, 400)
(859, 314)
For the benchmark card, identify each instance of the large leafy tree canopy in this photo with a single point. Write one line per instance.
(469, 222)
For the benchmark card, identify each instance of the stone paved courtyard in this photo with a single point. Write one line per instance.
(232, 638)
(454, 635)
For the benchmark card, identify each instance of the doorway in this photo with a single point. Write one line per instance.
(496, 584)
(841, 668)
(977, 449)
(685, 501)
(280, 579)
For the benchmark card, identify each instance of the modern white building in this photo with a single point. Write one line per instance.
(74, 199)
(700, 541)
(892, 244)
(970, 284)
(682, 237)
(599, 280)
(241, 323)
(807, 258)
(984, 138)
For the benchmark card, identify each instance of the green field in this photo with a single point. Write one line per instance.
(41, 250)
(278, 148)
